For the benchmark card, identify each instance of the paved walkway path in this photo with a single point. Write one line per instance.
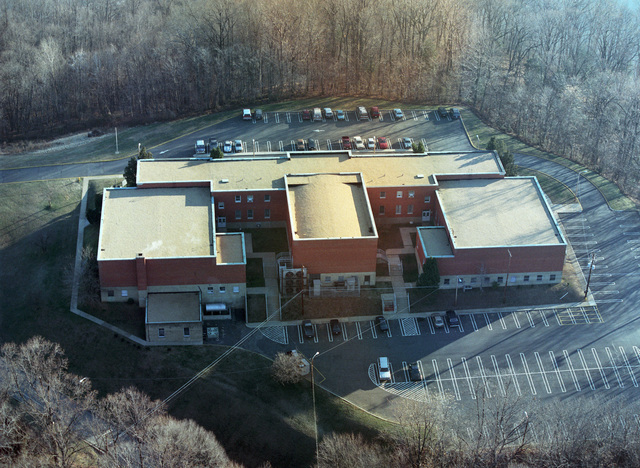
(270, 273)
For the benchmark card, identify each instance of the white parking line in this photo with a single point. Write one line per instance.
(465, 366)
(473, 322)
(460, 326)
(425, 114)
(571, 369)
(277, 116)
(269, 146)
(300, 336)
(532, 324)
(512, 371)
(484, 376)
(628, 225)
(498, 375)
(585, 368)
(544, 318)
(329, 144)
(543, 373)
(633, 241)
(358, 330)
(289, 117)
(393, 380)
(599, 364)
(605, 292)
(281, 146)
(415, 116)
(329, 334)
(424, 142)
(631, 233)
(452, 371)
(345, 332)
(628, 366)
(556, 369)
(486, 319)
(612, 361)
(528, 373)
(437, 377)
(431, 327)
(502, 322)
(515, 319)
(373, 329)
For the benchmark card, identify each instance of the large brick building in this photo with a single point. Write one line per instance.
(168, 234)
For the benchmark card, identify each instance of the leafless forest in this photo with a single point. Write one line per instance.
(561, 74)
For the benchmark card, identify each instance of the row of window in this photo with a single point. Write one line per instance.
(500, 279)
(399, 210)
(112, 293)
(410, 194)
(250, 214)
(187, 332)
(222, 289)
(238, 199)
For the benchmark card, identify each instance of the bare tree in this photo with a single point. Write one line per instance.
(349, 451)
(286, 368)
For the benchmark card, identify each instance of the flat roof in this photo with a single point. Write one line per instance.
(156, 222)
(387, 170)
(230, 247)
(498, 212)
(173, 307)
(329, 206)
(435, 241)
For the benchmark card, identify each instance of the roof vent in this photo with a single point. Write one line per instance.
(420, 176)
(224, 181)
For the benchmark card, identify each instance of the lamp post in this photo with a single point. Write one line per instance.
(504, 299)
(592, 265)
(313, 393)
(254, 147)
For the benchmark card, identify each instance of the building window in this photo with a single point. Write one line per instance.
(161, 332)
(267, 198)
(539, 278)
(223, 289)
(473, 280)
(238, 198)
(210, 290)
(267, 213)
(327, 279)
(111, 293)
(526, 278)
(187, 332)
(381, 209)
(383, 194)
(125, 293)
(221, 205)
(427, 199)
(236, 289)
(238, 214)
(552, 277)
(500, 279)
(249, 214)
(487, 279)
(399, 194)
(222, 220)
(410, 209)
(446, 281)
(398, 209)
(412, 193)
(249, 198)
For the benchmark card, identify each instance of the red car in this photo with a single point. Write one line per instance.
(383, 143)
(306, 114)
(375, 112)
(346, 142)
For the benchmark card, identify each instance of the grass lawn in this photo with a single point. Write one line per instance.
(256, 308)
(255, 273)
(409, 268)
(368, 303)
(557, 192)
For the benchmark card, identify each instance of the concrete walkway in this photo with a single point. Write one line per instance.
(396, 278)
(270, 273)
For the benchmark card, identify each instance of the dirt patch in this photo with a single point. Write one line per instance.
(43, 147)
(368, 303)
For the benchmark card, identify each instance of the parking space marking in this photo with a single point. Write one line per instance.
(515, 319)
(277, 334)
(358, 330)
(502, 322)
(265, 119)
(612, 361)
(393, 119)
(329, 144)
(277, 116)
(532, 324)
(424, 142)
(329, 334)
(627, 364)
(373, 329)
(543, 373)
(543, 316)
(631, 233)
(269, 146)
(393, 380)
(527, 372)
(454, 380)
(599, 364)
(556, 369)
(483, 375)
(571, 370)
(460, 326)
(345, 332)
(436, 374)
(425, 114)
(281, 146)
(465, 366)
(498, 376)
(605, 292)
(473, 322)
(415, 116)
(409, 326)
(488, 322)
(512, 371)
(288, 115)
(585, 368)
(431, 327)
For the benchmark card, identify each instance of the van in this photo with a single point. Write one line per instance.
(361, 112)
(258, 114)
(246, 114)
(384, 373)
(317, 113)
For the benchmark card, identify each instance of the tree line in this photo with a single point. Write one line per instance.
(562, 74)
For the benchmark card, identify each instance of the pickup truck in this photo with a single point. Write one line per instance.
(346, 143)
(200, 147)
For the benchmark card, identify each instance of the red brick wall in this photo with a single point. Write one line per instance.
(335, 256)
(391, 201)
(117, 273)
(277, 206)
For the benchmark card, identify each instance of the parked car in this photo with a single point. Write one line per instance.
(300, 145)
(258, 114)
(346, 142)
(455, 113)
(442, 111)
(382, 324)
(452, 318)
(246, 114)
(407, 143)
(237, 146)
(384, 372)
(213, 143)
(316, 114)
(334, 324)
(311, 144)
(307, 329)
(375, 112)
(414, 372)
(383, 143)
(200, 147)
(438, 321)
(358, 143)
(397, 114)
(371, 143)
(228, 147)
(328, 113)
(362, 112)
(306, 114)
(340, 114)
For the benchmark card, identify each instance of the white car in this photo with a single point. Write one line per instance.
(397, 113)
(358, 143)
(237, 146)
(371, 143)
(406, 143)
(340, 115)
(384, 373)
(328, 114)
(228, 147)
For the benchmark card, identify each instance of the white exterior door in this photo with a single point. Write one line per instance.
(426, 215)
